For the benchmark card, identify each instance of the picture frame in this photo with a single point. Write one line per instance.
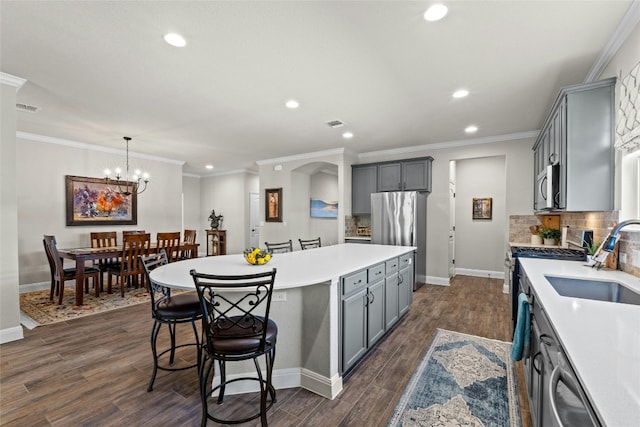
(273, 204)
(323, 209)
(482, 207)
(93, 201)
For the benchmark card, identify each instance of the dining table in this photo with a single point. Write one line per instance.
(82, 255)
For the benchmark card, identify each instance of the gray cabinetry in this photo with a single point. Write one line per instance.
(372, 302)
(364, 181)
(405, 175)
(405, 283)
(574, 154)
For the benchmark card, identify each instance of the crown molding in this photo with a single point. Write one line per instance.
(231, 172)
(190, 175)
(85, 146)
(628, 23)
(453, 144)
(305, 156)
(12, 80)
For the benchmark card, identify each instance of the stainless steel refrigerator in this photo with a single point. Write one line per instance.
(400, 218)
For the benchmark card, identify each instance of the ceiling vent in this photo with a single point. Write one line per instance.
(335, 123)
(27, 108)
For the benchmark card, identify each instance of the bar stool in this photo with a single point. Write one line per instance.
(278, 248)
(310, 243)
(236, 327)
(170, 311)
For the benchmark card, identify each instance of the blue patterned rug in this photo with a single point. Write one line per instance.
(463, 380)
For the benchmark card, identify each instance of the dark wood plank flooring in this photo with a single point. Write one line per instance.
(94, 371)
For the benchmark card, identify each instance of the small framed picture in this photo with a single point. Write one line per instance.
(273, 204)
(481, 208)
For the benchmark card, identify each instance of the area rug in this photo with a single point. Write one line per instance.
(463, 380)
(37, 306)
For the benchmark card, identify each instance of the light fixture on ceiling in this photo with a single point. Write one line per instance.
(347, 135)
(175, 40)
(292, 103)
(436, 12)
(130, 186)
(471, 129)
(460, 93)
(209, 167)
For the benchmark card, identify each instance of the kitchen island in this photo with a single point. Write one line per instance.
(601, 339)
(306, 306)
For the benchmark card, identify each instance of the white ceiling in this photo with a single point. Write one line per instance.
(101, 70)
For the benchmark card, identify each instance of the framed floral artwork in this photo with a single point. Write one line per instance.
(481, 208)
(92, 201)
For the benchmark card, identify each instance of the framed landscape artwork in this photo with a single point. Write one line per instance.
(91, 201)
(324, 209)
(481, 208)
(273, 204)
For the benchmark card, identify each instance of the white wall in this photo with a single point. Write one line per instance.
(324, 186)
(620, 65)
(191, 211)
(479, 243)
(42, 167)
(229, 196)
(10, 328)
(518, 201)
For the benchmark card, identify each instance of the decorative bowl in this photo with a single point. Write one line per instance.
(257, 256)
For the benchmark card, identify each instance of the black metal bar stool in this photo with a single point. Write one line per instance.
(236, 326)
(169, 310)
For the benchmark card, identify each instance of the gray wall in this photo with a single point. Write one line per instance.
(479, 243)
(9, 266)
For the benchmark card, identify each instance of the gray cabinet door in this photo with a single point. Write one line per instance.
(405, 290)
(375, 312)
(354, 328)
(416, 175)
(391, 300)
(390, 177)
(364, 181)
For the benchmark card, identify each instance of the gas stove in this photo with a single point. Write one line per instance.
(549, 253)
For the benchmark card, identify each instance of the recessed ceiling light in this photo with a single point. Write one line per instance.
(209, 166)
(347, 135)
(292, 103)
(471, 129)
(436, 12)
(175, 40)
(460, 93)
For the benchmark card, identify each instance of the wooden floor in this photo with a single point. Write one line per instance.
(94, 371)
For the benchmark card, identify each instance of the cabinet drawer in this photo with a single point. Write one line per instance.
(376, 272)
(406, 260)
(354, 281)
(392, 265)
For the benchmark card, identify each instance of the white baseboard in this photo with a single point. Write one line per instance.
(434, 280)
(32, 287)
(287, 378)
(11, 334)
(480, 273)
(325, 387)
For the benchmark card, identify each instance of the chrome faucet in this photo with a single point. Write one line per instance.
(610, 243)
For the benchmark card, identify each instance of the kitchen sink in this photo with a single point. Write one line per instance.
(599, 290)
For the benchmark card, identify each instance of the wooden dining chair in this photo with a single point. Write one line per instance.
(59, 274)
(170, 242)
(130, 267)
(279, 248)
(129, 232)
(189, 237)
(310, 244)
(104, 239)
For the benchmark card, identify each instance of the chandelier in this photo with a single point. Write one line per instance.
(127, 186)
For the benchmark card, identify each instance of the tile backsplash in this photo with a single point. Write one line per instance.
(599, 222)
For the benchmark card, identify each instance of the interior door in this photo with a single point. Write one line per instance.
(452, 218)
(254, 220)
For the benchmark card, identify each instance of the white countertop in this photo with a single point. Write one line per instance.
(601, 339)
(295, 269)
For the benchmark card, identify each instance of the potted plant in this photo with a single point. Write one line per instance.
(549, 235)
